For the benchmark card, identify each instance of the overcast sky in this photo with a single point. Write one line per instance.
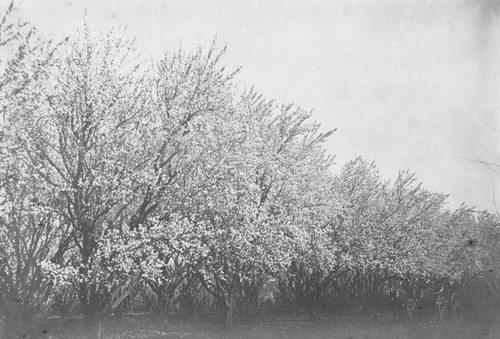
(409, 84)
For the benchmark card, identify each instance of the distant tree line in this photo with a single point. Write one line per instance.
(128, 186)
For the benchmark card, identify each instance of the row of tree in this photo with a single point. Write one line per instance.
(126, 184)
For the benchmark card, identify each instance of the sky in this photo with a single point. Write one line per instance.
(411, 84)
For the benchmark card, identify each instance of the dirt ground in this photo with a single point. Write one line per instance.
(289, 327)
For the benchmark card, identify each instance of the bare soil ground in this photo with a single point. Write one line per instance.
(289, 327)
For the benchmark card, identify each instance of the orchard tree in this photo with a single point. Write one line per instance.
(30, 229)
(360, 195)
(79, 133)
(387, 232)
(192, 96)
(254, 210)
(474, 257)
(410, 231)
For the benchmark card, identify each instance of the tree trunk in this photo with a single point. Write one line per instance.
(226, 309)
(119, 312)
(310, 308)
(162, 303)
(191, 308)
(229, 322)
(92, 322)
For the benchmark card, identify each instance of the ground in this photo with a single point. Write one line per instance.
(276, 326)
